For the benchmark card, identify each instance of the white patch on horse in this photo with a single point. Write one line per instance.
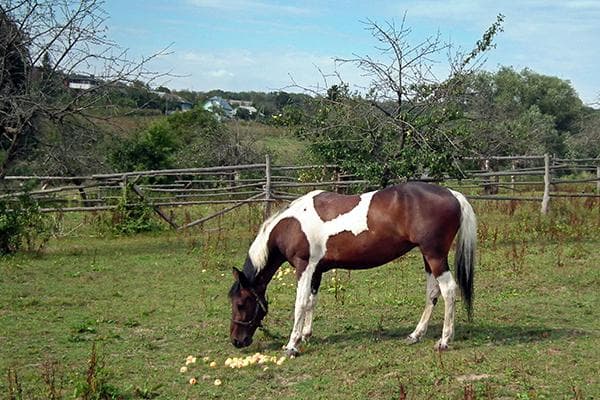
(316, 230)
(259, 252)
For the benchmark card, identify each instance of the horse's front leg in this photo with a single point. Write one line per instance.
(312, 303)
(303, 309)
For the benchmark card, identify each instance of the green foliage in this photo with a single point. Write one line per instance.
(94, 385)
(133, 216)
(187, 139)
(150, 149)
(521, 113)
(22, 224)
(410, 124)
(347, 130)
(586, 141)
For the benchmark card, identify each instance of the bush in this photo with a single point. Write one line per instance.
(133, 217)
(22, 223)
(182, 140)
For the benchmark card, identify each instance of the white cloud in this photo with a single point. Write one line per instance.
(250, 5)
(265, 70)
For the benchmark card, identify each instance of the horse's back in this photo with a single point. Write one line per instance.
(426, 214)
(399, 218)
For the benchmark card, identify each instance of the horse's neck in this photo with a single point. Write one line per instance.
(262, 276)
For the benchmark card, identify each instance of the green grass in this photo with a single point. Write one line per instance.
(149, 301)
(279, 142)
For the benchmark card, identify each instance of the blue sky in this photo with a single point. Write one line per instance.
(266, 45)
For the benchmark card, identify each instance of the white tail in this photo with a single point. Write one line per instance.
(466, 244)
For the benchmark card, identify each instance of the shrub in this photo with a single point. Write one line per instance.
(22, 223)
(133, 216)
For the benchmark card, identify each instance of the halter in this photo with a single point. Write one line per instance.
(260, 304)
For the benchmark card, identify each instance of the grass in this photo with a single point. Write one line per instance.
(279, 142)
(146, 302)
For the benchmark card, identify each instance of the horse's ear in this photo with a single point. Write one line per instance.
(236, 274)
(240, 277)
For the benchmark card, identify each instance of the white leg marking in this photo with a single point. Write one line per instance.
(303, 295)
(431, 294)
(448, 290)
(308, 317)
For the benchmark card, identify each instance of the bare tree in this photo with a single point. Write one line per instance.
(42, 44)
(404, 81)
(407, 123)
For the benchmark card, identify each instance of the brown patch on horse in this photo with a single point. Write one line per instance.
(331, 205)
(398, 221)
(289, 242)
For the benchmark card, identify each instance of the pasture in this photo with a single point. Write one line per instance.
(147, 302)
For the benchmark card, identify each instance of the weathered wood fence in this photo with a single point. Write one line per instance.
(526, 178)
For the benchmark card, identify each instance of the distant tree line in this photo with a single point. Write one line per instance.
(407, 123)
(411, 124)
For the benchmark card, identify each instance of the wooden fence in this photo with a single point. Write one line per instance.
(526, 178)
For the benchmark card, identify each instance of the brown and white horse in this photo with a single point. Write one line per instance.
(321, 231)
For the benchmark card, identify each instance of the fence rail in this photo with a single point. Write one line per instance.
(496, 178)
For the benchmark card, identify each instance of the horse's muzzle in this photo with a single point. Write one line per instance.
(242, 343)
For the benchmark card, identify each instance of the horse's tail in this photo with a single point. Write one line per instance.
(466, 244)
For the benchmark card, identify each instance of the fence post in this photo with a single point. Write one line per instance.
(546, 196)
(267, 186)
(513, 166)
(598, 179)
(125, 183)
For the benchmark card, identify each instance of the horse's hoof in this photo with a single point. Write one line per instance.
(412, 340)
(439, 346)
(291, 352)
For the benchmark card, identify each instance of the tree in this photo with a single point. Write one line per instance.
(182, 140)
(409, 122)
(42, 44)
(586, 142)
(521, 112)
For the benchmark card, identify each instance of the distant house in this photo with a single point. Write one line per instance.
(251, 110)
(238, 103)
(82, 82)
(219, 106)
(174, 103)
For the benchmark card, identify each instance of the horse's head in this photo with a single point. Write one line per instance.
(248, 308)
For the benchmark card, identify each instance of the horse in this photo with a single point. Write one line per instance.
(322, 230)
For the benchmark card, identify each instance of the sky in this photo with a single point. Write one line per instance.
(267, 45)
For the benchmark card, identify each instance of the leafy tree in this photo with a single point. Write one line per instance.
(586, 142)
(22, 224)
(409, 123)
(43, 43)
(150, 149)
(187, 139)
(521, 112)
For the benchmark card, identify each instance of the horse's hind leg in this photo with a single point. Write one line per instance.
(432, 293)
(440, 281)
(447, 285)
(448, 289)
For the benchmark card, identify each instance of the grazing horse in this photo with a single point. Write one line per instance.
(321, 230)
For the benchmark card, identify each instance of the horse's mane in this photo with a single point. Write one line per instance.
(258, 253)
